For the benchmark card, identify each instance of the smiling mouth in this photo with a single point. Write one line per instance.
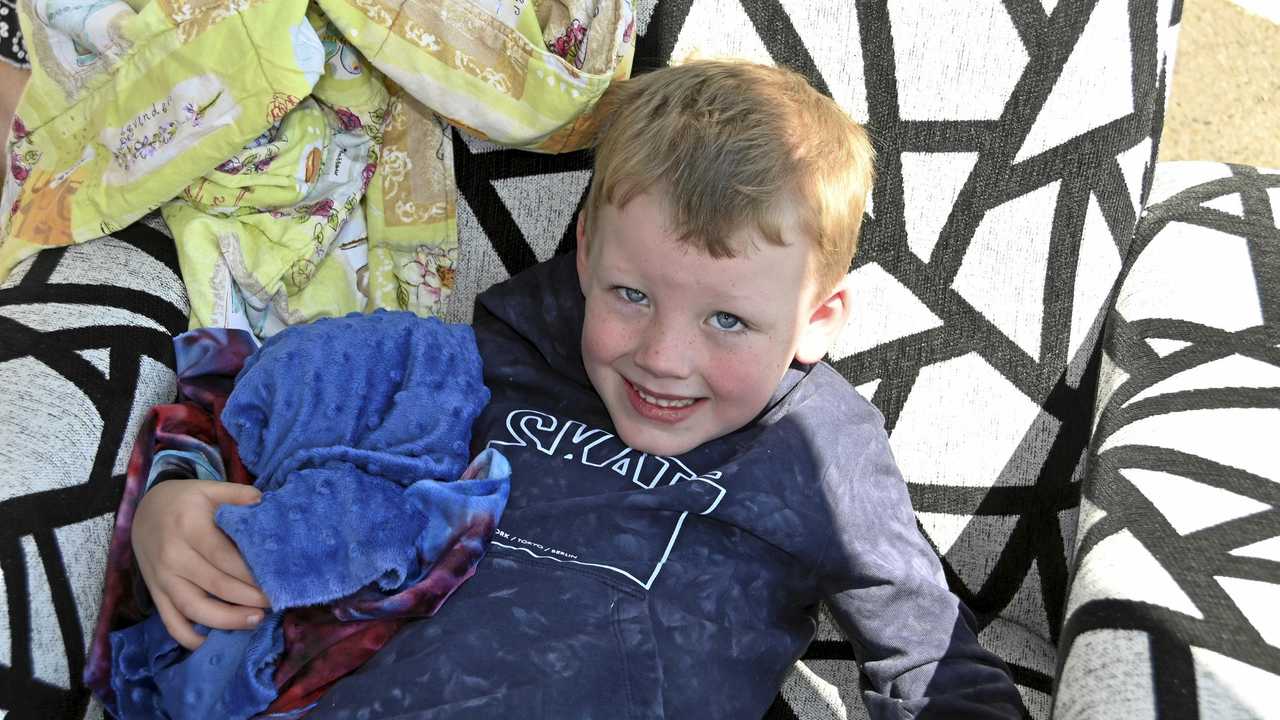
(665, 408)
(663, 402)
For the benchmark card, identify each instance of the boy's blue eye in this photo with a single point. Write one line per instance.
(633, 295)
(727, 321)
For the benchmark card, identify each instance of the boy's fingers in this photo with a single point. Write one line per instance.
(225, 587)
(224, 556)
(195, 605)
(175, 623)
(233, 493)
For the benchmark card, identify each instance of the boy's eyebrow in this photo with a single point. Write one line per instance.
(717, 294)
(736, 296)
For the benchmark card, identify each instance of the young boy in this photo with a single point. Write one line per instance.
(689, 480)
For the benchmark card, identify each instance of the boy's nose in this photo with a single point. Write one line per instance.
(665, 353)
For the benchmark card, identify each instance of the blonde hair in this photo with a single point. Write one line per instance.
(728, 143)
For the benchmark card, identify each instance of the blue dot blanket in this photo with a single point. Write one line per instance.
(358, 431)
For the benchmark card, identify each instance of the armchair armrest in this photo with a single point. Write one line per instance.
(85, 350)
(1177, 571)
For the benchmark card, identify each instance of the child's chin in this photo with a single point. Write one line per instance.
(655, 443)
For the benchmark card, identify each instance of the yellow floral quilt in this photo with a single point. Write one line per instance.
(298, 149)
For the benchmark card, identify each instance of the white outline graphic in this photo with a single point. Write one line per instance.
(535, 425)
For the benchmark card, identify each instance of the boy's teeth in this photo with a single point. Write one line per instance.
(663, 403)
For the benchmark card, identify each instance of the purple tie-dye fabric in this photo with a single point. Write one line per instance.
(320, 451)
(207, 361)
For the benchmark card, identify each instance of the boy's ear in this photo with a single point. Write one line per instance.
(581, 251)
(825, 322)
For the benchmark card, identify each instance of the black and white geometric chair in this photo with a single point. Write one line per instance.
(1043, 315)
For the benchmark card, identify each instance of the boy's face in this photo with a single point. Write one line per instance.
(684, 348)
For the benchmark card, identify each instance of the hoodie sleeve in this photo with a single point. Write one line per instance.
(914, 639)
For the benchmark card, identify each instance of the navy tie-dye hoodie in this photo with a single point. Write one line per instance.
(624, 585)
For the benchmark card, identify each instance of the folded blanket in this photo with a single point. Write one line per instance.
(339, 581)
(299, 150)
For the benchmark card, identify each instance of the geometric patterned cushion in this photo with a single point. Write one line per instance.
(1175, 603)
(85, 350)
(1014, 141)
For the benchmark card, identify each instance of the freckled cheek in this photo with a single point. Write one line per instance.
(740, 381)
(604, 338)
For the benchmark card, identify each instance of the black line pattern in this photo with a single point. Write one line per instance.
(118, 367)
(1214, 651)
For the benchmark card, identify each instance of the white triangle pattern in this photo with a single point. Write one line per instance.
(1268, 549)
(1228, 688)
(1038, 703)
(883, 310)
(1067, 521)
(1175, 277)
(1096, 271)
(934, 83)
(1133, 165)
(159, 381)
(961, 398)
(930, 184)
(83, 548)
(6, 648)
(943, 528)
(74, 416)
(644, 12)
(1098, 69)
(1165, 347)
(543, 206)
(1189, 505)
(1239, 437)
(1027, 605)
(1258, 601)
(478, 146)
(1120, 567)
(1233, 371)
(868, 389)
(719, 28)
(839, 62)
(1015, 234)
(49, 655)
(1229, 203)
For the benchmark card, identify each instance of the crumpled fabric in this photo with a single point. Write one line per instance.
(298, 149)
(359, 530)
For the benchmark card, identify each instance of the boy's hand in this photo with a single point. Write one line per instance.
(192, 569)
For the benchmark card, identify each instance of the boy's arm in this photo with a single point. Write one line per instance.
(914, 639)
